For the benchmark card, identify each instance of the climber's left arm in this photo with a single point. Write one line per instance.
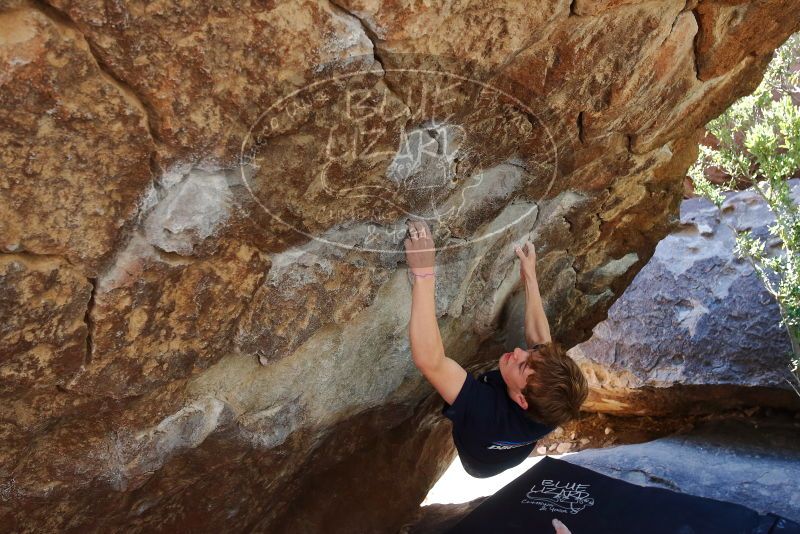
(537, 329)
(427, 349)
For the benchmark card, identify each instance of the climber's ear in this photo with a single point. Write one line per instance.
(520, 399)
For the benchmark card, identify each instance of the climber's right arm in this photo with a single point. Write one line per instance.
(427, 350)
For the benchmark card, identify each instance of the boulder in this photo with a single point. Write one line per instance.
(696, 330)
(757, 466)
(201, 222)
(439, 518)
(75, 145)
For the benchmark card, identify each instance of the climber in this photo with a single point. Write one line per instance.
(497, 418)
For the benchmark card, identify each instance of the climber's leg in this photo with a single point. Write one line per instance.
(475, 470)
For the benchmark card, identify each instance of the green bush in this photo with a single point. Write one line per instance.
(759, 140)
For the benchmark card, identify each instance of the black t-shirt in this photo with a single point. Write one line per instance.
(491, 431)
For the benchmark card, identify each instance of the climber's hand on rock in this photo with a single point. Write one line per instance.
(527, 259)
(560, 527)
(420, 251)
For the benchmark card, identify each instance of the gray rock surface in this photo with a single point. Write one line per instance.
(695, 315)
(755, 466)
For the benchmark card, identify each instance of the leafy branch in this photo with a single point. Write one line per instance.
(758, 139)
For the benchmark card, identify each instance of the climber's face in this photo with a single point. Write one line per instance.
(515, 371)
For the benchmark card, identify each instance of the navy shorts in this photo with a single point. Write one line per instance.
(478, 470)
